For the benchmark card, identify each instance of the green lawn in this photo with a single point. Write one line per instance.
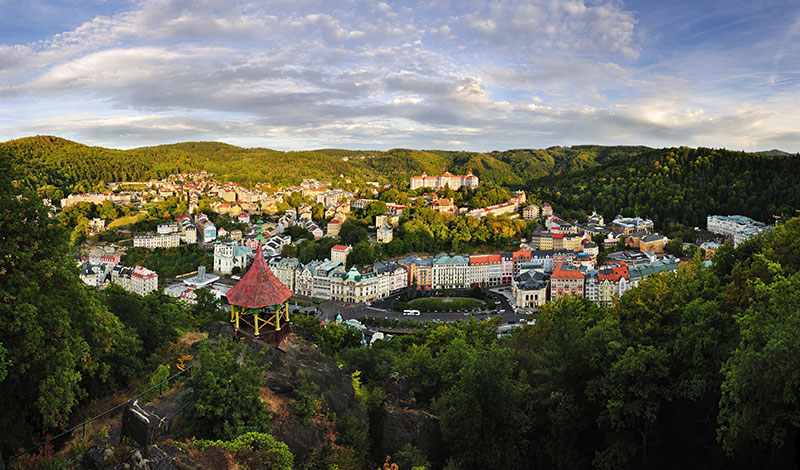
(127, 220)
(445, 304)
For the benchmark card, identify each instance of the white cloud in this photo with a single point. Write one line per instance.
(301, 73)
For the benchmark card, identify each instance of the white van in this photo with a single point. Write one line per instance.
(410, 312)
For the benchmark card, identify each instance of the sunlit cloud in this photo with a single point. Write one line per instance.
(372, 74)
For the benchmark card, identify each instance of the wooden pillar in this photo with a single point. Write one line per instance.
(255, 323)
(278, 318)
(232, 314)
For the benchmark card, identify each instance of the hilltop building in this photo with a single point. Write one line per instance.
(445, 180)
(736, 227)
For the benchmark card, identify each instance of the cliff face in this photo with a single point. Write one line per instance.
(337, 397)
(398, 423)
(392, 426)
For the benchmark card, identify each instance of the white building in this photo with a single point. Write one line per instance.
(353, 287)
(157, 240)
(736, 227)
(450, 272)
(229, 255)
(339, 253)
(138, 280)
(169, 227)
(529, 289)
(384, 234)
(188, 229)
(285, 269)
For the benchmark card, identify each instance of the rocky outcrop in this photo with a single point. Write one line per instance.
(398, 423)
(394, 427)
(221, 329)
(142, 426)
(335, 387)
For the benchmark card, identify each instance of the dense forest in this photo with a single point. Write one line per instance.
(678, 187)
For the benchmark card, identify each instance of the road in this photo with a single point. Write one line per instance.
(328, 310)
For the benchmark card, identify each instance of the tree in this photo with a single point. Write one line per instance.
(53, 327)
(352, 233)
(482, 414)
(363, 253)
(256, 450)
(674, 247)
(225, 394)
(318, 212)
(207, 309)
(308, 401)
(758, 407)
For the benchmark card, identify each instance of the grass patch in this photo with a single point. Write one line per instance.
(127, 220)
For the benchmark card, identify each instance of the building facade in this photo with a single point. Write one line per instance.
(450, 272)
(445, 180)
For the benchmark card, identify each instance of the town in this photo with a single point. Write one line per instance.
(551, 257)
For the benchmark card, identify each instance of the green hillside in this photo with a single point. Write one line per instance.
(676, 187)
(71, 166)
(680, 186)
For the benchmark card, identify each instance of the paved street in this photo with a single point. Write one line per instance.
(328, 310)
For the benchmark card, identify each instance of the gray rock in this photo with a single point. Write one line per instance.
(142, 426)
(160, 460)
(94, 458)
(300, 439)
(398, 391)
(394, 427)
(138, 462)
(279, 383)
(220, 329)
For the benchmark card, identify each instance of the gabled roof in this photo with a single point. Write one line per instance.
(259, 287)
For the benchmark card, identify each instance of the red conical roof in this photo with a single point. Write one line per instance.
(259, 287)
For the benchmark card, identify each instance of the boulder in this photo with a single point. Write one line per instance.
(279, 383)
(94, 457)
(301, 439)
(160, 460)
(394, 427)
(142, 426)
(221, 329)
(398, 391)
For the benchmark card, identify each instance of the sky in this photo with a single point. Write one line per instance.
(365, 74)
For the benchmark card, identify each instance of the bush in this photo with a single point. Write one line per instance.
(308, 401)
(225, 396)
(269, 452)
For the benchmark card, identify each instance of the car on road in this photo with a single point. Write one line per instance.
(411, 312)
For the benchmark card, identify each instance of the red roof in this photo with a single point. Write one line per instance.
(475, 259)
(564, 271)
(522, 253)
(618, 271)
(258, 287)
(340, 247)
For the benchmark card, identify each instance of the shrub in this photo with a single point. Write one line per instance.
(308, 401)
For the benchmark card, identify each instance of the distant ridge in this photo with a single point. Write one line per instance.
(774, 153)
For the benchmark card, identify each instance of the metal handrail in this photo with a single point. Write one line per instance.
(45, 442)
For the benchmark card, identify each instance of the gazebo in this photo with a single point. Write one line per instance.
(261, 294)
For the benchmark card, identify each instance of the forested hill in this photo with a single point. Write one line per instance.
(73, 167)
(681, 186)
(676, 187)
